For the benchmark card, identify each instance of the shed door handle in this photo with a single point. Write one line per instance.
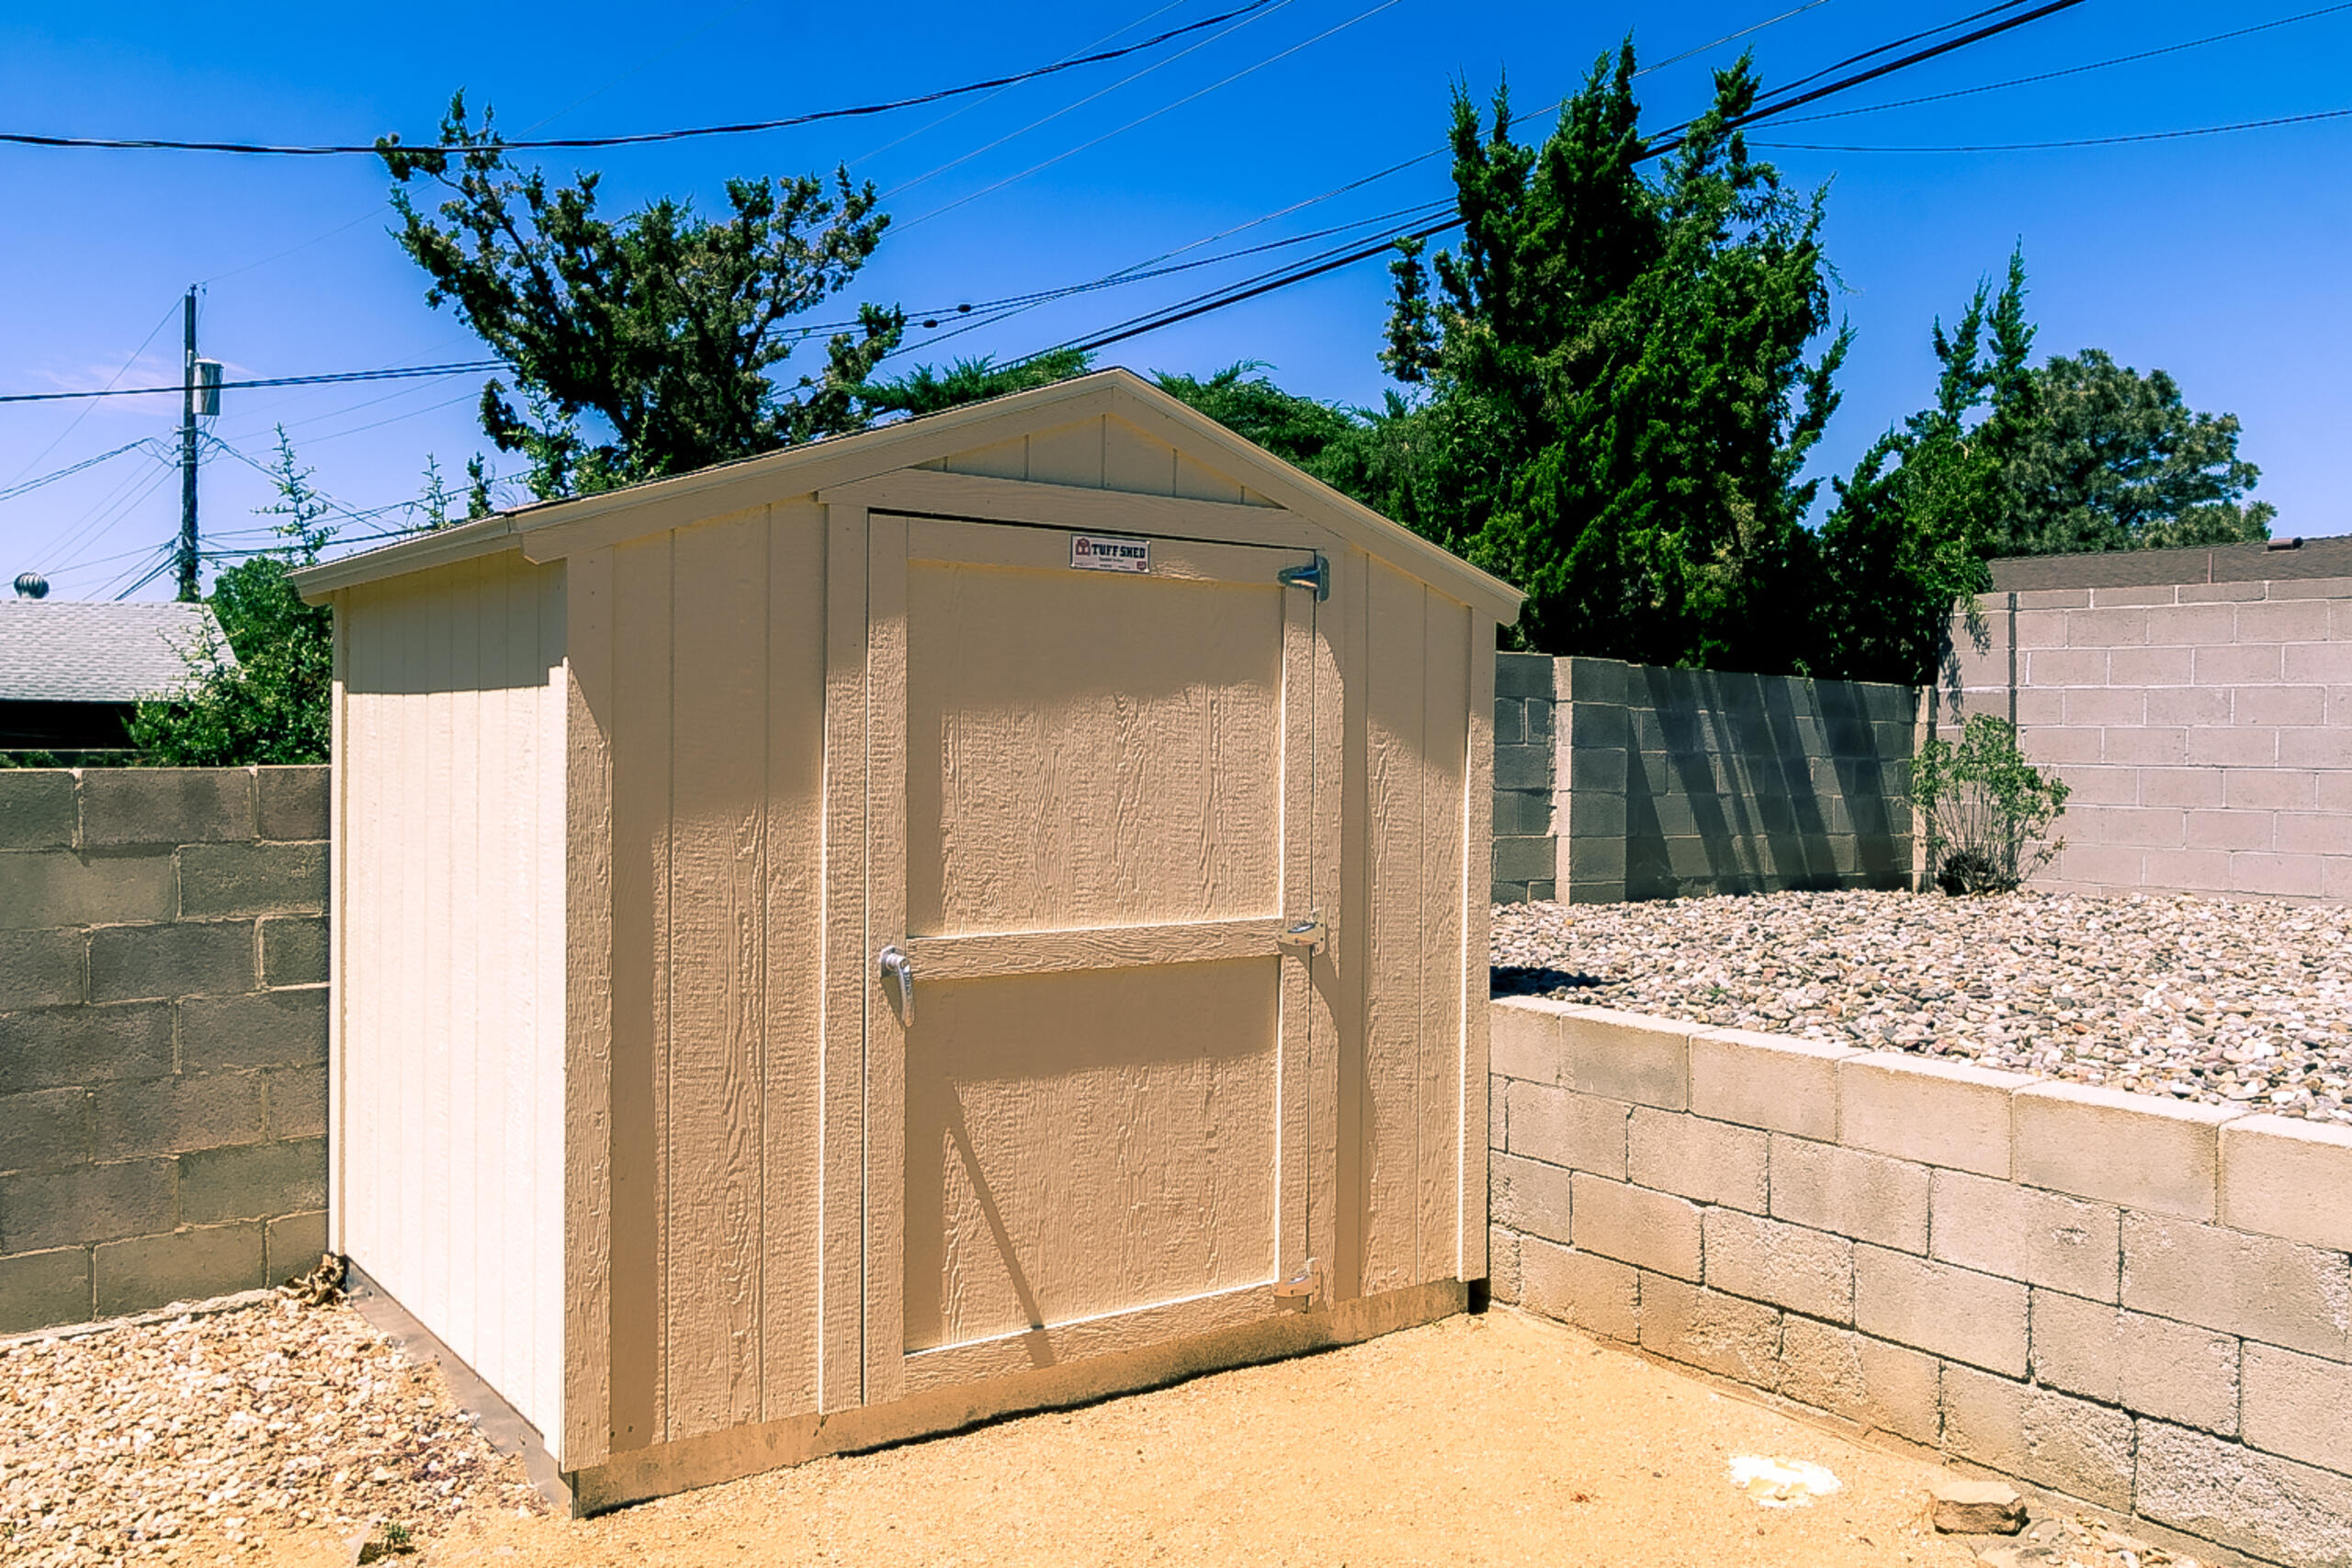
(898, 967)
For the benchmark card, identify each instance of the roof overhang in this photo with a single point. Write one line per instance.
(553, 530)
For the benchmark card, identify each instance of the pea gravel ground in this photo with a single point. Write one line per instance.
(209, 1437)
(2217, 1001)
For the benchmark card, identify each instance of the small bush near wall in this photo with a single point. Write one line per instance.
(162, 1035)
(1988, 810)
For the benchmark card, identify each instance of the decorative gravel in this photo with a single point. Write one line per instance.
(199, 1439)
(2222, 1001)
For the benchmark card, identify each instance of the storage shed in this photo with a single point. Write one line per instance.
(968, 915)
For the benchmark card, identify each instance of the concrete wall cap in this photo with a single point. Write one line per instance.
(2284, 1177)
(1546, 1006)
(1786, 1044)
(1928, 1066)
(2138, 1104)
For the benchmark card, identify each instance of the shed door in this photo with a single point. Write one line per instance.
(1100, 835)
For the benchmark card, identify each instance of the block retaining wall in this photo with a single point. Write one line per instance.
(162, 1035)
(2142, 1303)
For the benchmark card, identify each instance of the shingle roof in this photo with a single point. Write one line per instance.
(99, 652)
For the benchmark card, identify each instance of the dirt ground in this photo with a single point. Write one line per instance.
(1495, 1439)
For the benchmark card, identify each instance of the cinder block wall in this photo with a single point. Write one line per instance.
(162, 1035)
(1618, 781)
(1526, 853)
(2205, 728)
(2139, 1302)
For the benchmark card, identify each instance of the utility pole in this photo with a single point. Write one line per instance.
(187, 453)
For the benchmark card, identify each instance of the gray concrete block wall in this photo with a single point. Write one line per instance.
(1682, 782)
(162, 1035)
(2143, 1305)
(1526, 853)
(2205, 729)
(1617, 781)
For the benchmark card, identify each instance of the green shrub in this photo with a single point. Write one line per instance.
(1986, 810)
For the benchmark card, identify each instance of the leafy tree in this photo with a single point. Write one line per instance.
(2114, 460)
(1908, 534)
(665, 326)
(927, 390)
(271, 705)
(1618, 399)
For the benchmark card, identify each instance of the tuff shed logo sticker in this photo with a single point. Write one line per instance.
(1092, 552)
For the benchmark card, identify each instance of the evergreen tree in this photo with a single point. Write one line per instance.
(1911, 527)
(2114, 460)
(1619, 400)
(925, 389)
(664, 327)
(271, 705)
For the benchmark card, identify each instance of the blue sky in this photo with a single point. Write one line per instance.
(2219, 258)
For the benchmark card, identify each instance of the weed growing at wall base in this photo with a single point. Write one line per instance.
(1988, 810)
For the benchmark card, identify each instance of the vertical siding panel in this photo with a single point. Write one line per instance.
(586, 1116)
(545, 1190)
(1071, 454)
(717, 790)
(465, 1174)
(1202, 483)
(436, 1160)
(501, 872)
(1393, 1024)
(842, 1062)
(1445, 761)
(641, 862)
(1351, 607)
(1134, 461)
(1477, 916)
(885, 1038)
(409, 985)
(790, 1170)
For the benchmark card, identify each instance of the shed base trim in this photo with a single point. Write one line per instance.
(666, 1468)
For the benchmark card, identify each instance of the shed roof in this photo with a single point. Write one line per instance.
(550, 530)
(53, 651)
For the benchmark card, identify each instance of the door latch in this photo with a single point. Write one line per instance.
(1318, 576)
(898, 968)
(1305, 938)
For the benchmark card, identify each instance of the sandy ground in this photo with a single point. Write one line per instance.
(1493, 1440)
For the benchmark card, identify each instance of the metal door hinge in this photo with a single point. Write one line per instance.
(1304, 939)
(1302, 1287)
(1318, 576)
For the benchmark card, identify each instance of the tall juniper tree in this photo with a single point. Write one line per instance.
(1619, 393)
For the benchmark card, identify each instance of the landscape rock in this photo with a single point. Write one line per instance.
(1960, 1506)
(2217, 1001)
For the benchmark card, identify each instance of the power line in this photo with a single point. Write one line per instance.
(15, 491)
(638, 139)
(471, 367)
(2075, 141)
(1313, 267)
(1365, 15)
(2071, 70)
(1068, 109)
(118, 376)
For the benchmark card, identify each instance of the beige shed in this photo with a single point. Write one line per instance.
(968, 915)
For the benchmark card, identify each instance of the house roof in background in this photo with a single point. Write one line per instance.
(2281, 560)
(74, 652)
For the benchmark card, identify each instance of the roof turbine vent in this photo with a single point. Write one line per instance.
(33, 585)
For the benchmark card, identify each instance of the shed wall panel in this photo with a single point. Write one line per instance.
(717, 866)
(451, 1045)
